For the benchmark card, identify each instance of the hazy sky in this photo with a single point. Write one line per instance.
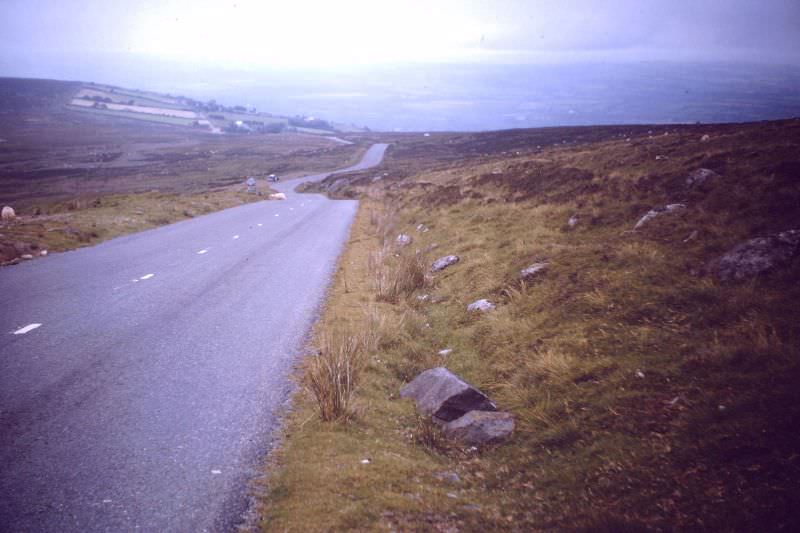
(245, 33)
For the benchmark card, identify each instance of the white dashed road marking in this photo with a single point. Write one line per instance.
(235, 237)
(147, 276)
(26, 329)
(259, 225)
(276, 214)
(201, 252)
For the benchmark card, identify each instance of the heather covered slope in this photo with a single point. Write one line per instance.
(648, 392)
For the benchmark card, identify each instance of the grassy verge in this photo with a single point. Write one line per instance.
(69, 224)
(647, 394)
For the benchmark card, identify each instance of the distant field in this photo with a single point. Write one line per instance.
(138, 109)
(119, 96)
(145, 117)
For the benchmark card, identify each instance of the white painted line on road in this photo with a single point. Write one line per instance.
(276, 214)
(260, 224)
(147, 276)
(235, 237)
(216, 472)
(26, 329)
(203, 251)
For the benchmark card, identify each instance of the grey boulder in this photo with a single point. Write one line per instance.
(444, 262)
(758, 256)
(443, 395)
(480, 427)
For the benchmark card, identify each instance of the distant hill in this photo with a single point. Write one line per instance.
(25, 95)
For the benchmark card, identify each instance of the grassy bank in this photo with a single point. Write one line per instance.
(65, 225)
(647, 393)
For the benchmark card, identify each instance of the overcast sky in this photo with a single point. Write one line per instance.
(252, 33)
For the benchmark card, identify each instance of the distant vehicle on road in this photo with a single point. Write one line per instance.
(273, 177)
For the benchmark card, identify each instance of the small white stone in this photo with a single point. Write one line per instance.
(639, 374)
(445, 352)
(365, 461)
(481, 305)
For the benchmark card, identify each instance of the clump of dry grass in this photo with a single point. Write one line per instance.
(384, 222)
(332, 375)
(397, 276)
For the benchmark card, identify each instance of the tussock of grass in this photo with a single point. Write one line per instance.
(332, 375)
(397, 275)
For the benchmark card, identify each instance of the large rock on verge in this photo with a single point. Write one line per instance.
(658, 211)
(444, 262)
(8, 213)
(480, 427)
(443, 395)
(758, 256)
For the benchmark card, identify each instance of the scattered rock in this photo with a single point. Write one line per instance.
(422, 228)
(639, 374)
(26, 256)
(445, 352)
(449, 477)
(653, 213)
(661, 158)
(444, 262)
(481, 427)
(403, 240)
(423, 297)
(692, 236)
(443, 395)
(758, 256)
(705, 138)
(43, 253)
(8, 213)
(699, 177)
(531, 272)
(573, 221)
(482, 305)
(277, 196)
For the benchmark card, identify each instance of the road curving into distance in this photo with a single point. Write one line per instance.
(140, 378)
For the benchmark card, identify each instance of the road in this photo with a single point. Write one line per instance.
(147, 397)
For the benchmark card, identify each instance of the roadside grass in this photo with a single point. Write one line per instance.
(647, 395)
(68, 224)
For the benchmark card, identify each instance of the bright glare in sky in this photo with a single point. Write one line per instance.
(307, 32)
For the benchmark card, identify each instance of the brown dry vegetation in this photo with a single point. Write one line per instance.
(647, 394)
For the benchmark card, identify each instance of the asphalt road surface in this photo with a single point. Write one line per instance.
(146, 397)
